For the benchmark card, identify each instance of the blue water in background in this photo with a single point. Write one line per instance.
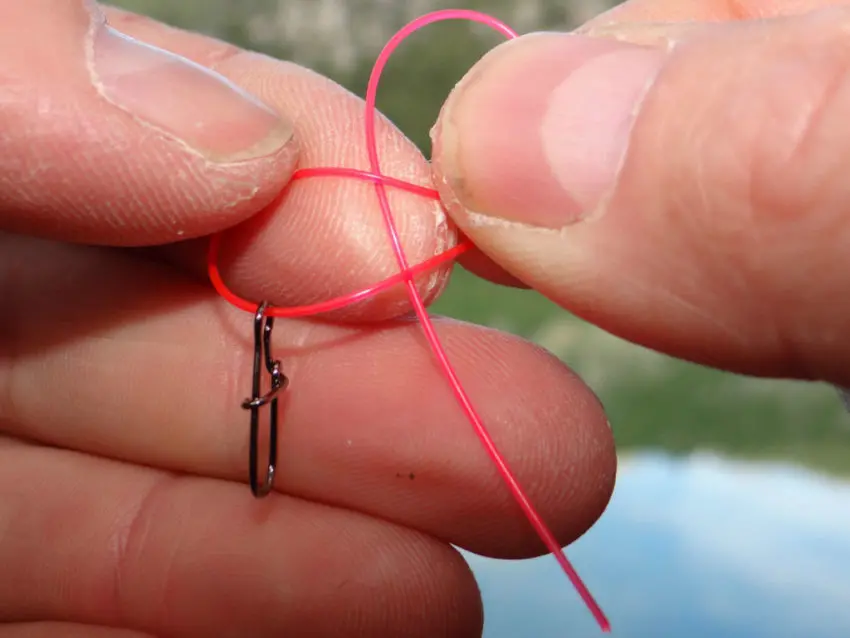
(692, 547)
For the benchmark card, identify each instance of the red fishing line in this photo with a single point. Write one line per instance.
(406, 276)
(345, 300)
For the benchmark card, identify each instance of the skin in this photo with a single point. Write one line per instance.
(719, 234)
(123, 508)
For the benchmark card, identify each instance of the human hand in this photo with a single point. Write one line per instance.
(124, 508)
(674, 175)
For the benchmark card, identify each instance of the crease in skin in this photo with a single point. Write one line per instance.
(668, 296)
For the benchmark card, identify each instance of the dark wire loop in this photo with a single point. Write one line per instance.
(263, 358)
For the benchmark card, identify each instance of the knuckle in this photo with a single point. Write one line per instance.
(756, 144)
(136, 547)
(803, 141)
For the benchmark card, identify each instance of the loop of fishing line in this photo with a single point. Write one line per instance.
(336, 303)
(264, 313)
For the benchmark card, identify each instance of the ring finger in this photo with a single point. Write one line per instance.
(122, 546)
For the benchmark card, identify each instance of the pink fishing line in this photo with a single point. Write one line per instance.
(407, 276)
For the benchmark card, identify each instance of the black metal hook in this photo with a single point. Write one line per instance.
(262, 358)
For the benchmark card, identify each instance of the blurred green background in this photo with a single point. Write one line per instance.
(653, 402)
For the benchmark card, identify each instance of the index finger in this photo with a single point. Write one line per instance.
(322, 237)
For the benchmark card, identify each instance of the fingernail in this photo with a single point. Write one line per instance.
(538, 130)
(199, 107)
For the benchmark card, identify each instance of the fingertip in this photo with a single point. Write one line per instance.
(582, 462)
(550, 428)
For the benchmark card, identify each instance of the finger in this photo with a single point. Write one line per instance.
(323, 237)
(64, 630)
(112, 544)
(681, 197)
(368, 422)
(482, 266)
(703, 10)
(107, 140)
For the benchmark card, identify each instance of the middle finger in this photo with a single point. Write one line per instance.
(118, 357)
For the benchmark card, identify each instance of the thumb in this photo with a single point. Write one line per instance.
(688, 193)
(104, 139)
